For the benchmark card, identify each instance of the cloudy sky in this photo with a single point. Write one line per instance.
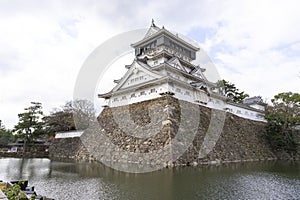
(254, 44)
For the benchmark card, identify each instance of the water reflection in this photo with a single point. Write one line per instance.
(78, 180)
(20, 168)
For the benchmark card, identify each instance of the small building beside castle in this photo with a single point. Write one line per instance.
(163, 64)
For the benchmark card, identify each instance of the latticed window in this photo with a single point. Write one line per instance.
(187, 93)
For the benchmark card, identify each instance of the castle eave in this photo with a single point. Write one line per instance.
(241, 105)
(166, 33)
(133, 88)
(185, 74)
(105, 96)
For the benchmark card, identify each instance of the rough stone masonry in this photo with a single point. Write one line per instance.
(167, 132)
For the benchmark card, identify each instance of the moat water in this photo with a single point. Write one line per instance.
(78, 180)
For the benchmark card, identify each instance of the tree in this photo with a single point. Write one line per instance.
(5, 135)
(59, 120)
(30, 123)
(1, 125)
(83, 113)
(283, 117)
(77, 114)
(229, 90)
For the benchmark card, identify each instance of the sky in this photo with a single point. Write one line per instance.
(253, 44)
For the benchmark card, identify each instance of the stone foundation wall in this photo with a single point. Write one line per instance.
(167, 131)
(71, 148)
(240, 140)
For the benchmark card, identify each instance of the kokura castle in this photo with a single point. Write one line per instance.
(163, 65)
(168, 110)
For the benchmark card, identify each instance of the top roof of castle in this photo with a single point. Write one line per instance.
(154, 31)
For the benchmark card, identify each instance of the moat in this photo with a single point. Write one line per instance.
(80, 180)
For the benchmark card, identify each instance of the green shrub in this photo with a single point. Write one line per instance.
(15, 193)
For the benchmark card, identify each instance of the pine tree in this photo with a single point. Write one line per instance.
(30, 123)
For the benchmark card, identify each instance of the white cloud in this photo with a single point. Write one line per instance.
(254, 44)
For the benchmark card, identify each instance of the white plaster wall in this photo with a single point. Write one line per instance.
(69, 134)
(245, 113)
(137, 78)
(175, 76)
(182, 94)
(138, 95)
(216, 103)
(156, 62)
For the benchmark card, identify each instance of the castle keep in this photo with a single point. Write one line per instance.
(165, 111)
(164, 64)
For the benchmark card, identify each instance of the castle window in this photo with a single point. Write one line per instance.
(142, 93)
(239, 112)
(171, 84)
(132, 95)
(152, 90)
(187, 93)
(116, 99)
(124, 97)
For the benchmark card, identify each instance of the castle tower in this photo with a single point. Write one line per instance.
(164, 111)
(162, 65)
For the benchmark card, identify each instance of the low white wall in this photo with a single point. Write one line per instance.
(70, 134)
(186, 95)
(245, 113)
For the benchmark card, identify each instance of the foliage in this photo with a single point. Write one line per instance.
(15, 193)
(30, 123)
(283, 117)
(33, 196)
(229, 90)
(5, 135)
(2, 127)
(83, 113)
(59, 120)
(77, 114)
